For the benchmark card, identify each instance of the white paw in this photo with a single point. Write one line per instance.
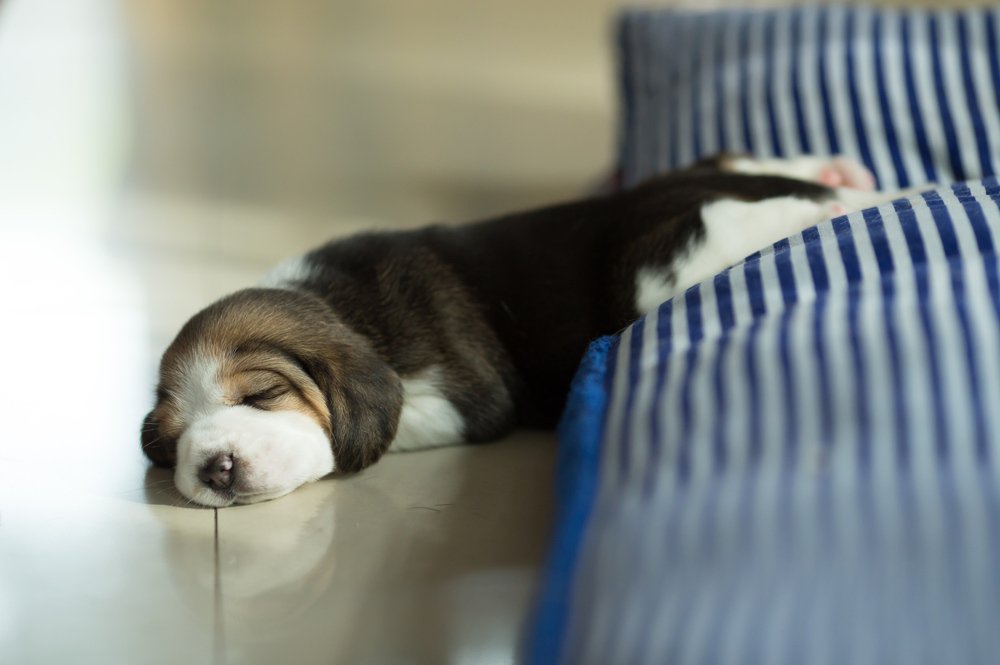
(837, 171)
(846, 172)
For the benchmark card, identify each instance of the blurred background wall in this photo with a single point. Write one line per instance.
(408, 110)
(157, 154)
(397, 110)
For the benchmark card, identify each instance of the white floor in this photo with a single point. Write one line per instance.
(423, 558)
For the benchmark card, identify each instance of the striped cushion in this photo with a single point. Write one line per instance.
(914, 94)
(798, 461)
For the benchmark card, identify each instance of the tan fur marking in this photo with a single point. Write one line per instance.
(256, 371)
(240, 374)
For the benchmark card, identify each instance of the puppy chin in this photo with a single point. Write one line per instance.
(273, 453)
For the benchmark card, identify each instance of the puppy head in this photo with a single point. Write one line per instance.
(266, 390)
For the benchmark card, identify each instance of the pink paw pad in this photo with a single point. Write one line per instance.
(836, 209)
(846, 172)
(831, 177)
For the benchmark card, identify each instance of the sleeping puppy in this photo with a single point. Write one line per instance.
(449, 334)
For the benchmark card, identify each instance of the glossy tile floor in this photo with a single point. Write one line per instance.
(423, 558)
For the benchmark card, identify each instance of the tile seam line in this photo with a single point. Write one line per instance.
(218, 633)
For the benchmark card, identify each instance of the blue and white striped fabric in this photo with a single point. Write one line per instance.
(914, 94)
(798, 461)
(800, 458)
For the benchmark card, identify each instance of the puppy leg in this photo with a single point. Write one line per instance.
(428, 418)
(837, 171)
(732, 230)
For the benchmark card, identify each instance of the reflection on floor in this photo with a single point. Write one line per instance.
(425, 558)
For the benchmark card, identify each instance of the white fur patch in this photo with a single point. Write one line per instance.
(653, 286)
(733, 230)
(805, 167)
(428, 418)
(289, 273)
(273, 452)
(199, 392)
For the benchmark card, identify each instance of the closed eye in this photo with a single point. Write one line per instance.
(260, 399)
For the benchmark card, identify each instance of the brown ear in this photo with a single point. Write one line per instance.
(365, 398)
(160, 450)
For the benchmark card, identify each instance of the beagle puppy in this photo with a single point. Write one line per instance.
(450, 334)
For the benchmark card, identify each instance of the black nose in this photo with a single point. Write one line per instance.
(218, 472)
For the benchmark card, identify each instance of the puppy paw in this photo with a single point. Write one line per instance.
(846, 172)
(838, 171)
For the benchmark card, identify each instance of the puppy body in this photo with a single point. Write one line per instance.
(449, 334)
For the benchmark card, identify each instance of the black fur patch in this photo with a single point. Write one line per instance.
(160, 449)
(506, 307)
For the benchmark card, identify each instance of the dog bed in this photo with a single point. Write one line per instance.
(797, 460)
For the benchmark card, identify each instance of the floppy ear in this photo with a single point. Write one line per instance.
(160, 450)
(365, 398)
